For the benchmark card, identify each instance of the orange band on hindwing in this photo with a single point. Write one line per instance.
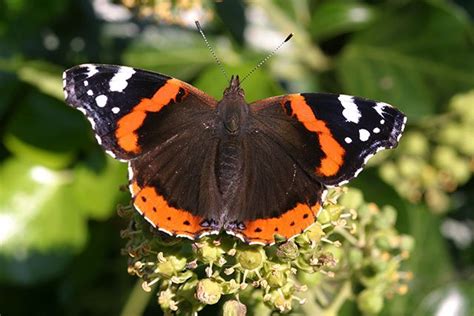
(165, 217)
(290, 224)
(128, 125)
(333, 151)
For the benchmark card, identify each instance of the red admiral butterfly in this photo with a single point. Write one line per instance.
(198, 166)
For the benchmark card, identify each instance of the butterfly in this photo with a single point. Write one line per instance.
(198, 166)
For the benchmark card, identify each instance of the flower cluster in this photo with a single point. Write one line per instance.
(437, 157)
(356, 250)
(177, 12)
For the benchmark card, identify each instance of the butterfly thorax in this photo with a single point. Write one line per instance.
(233, 111)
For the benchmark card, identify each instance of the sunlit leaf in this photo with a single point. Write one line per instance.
(46, 131)
(336, 17)
(97, 182)
(39, 226)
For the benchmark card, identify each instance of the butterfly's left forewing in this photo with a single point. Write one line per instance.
(117, 100)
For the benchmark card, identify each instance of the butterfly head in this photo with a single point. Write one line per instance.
(234, 90)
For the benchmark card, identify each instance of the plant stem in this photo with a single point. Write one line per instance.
(137, 301)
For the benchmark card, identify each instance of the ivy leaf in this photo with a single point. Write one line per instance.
(97, 182)
(333, 18)
(40, 229)
(414, 57)
(45, 131)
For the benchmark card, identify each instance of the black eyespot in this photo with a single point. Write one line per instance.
(258, 230)
(276, 229)
(154, 209)
(143, 198)
(187, 223)
(292, 224)
(169, 218)
(305, 215)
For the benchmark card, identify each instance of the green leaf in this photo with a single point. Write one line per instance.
(454, 298)
(44, 76)
(180, 53)
(45, 131)
(9, 87)
(39, 226)
(333, 18)
(414, 57)
(97, 182)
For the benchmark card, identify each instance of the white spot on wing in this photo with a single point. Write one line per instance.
(91, 70)
(91, 121)
(86, 83)
(351, 111)
(101, 100)
(130, 172)
(65, 94)
(99, 140)
(379, 108)
(111, 154)
(364, 134)
(376, 130)
(119, 80)
(382, 122)
(115, 110)
(89, 92)
(348, 140)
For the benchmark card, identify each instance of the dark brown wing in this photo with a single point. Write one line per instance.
(295, 146)
(164, 128)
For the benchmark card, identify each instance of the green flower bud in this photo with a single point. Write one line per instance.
(276, 278)
(251, 258)
(310, 279)
(324, 216)
(170, 266)
(287, 251)
(278, 300)
(383, 242)
(463, 104)
(389, 172)
(370, 302)
(314, 233)
(353, 199)
(451, 134)
(414, 143)
(386, 218)
(234, 308)
(356, 258)
(208, 291)
(410, 167)
(407, 243)
(443, 157)
(207, 252)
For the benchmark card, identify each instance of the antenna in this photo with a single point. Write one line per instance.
(211, 50)
(268, 57)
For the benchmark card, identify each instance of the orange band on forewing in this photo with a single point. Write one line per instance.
(333, 151)
(157, 210)
(290, 224)
(127, 126)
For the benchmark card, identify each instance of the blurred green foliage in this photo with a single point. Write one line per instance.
(59, 235)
